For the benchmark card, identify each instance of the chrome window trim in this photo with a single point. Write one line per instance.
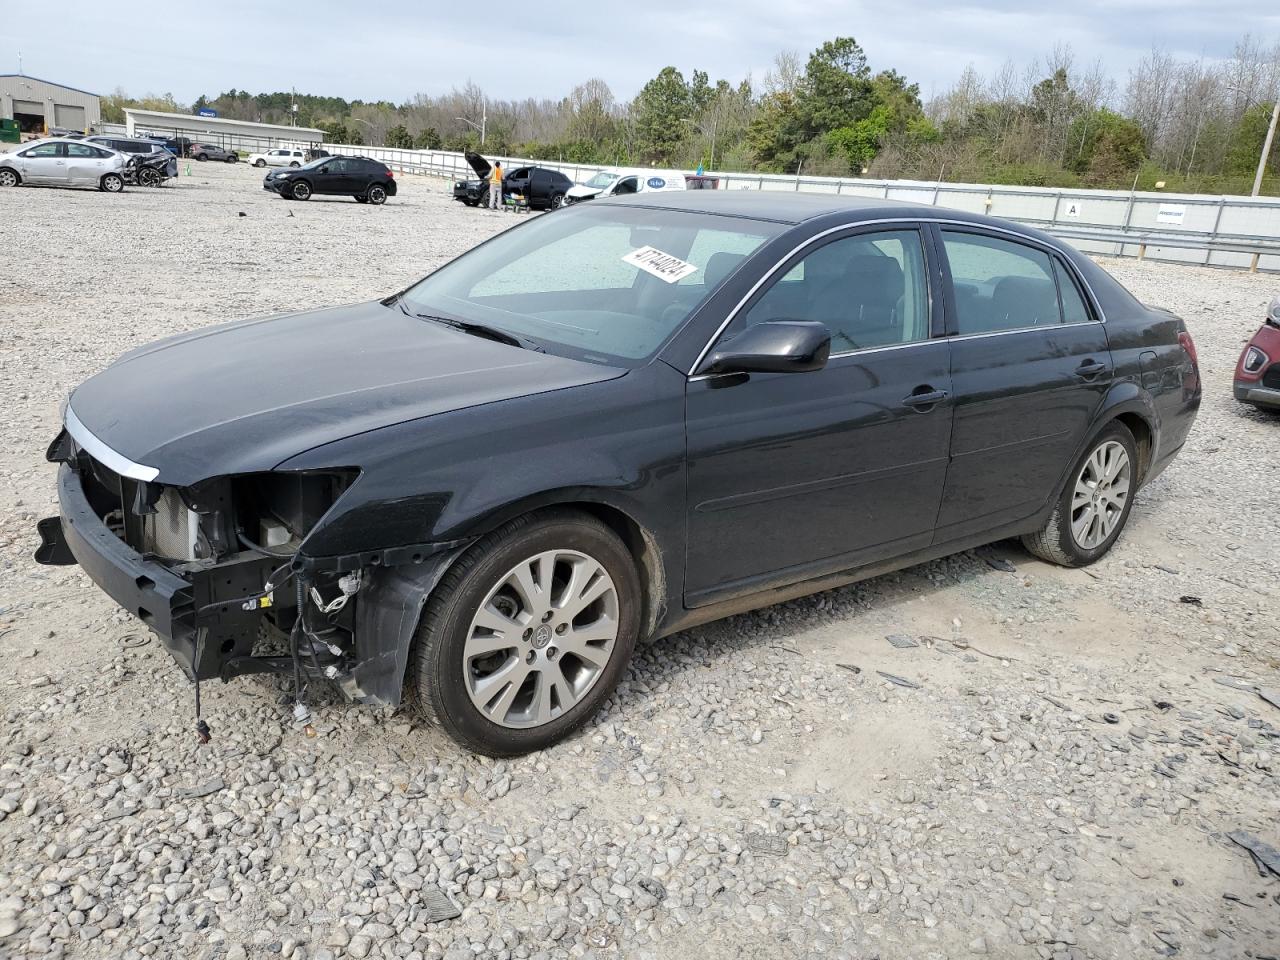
(976, 227)
(113, 461)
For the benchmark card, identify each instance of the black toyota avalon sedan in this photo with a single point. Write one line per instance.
(615, 423)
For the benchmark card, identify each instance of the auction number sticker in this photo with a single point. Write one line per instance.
(662, 265)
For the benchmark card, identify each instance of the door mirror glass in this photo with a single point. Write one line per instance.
(775, 346)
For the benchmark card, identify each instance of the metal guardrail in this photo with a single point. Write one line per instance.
(1145, 240)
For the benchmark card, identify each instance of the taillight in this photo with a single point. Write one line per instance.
(390, 174)
(1189, 345)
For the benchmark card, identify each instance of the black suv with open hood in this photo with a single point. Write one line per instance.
(544, 188)
(614, 423)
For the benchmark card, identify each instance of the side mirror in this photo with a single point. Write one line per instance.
(775, 346)
(1273, 312)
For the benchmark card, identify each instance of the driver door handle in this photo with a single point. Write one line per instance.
(923, 399)
(1090, 368)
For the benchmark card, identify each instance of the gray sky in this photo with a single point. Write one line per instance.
(390, 51)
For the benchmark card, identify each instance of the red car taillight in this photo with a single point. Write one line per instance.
(390, 174)
(1189, 345)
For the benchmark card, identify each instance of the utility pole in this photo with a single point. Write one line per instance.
(1266, 146)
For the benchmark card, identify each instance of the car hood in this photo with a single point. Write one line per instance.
(578, 190)
(479, 164)
(244, 397)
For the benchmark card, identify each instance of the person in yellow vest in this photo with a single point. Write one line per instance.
(495, 187)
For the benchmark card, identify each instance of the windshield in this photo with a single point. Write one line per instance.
(601, 180)
(311, 164)
(604, 283)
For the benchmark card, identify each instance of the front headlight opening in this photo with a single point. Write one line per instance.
(1254, 360)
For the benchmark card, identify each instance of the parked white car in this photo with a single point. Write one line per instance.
(63, 163)
(610, 183)
(280, 157)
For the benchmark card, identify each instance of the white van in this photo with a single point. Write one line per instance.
(607, 183)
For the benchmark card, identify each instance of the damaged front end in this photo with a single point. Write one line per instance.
(221, 573)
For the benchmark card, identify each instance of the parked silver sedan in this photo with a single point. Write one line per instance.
(63, 163)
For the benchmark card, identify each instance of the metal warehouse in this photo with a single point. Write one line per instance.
(39, 106)
(236, 134)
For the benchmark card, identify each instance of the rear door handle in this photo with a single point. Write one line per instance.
(924, 399)
(1089, 369)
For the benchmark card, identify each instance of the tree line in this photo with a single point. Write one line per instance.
(1197, 125)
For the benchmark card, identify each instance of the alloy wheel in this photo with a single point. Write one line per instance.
(541, 638)
(1101, 492)
(8, 178)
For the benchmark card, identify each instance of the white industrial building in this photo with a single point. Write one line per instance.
(39, 106)
(232, 134)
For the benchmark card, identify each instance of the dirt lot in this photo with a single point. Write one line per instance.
(1060, 783)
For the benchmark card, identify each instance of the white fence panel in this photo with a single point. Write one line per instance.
(1195, 222)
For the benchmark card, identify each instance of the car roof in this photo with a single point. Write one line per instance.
(792, 207)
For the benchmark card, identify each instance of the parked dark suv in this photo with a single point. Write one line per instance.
(544, 188)
(611, 424)
(211, 151)
(367, 180)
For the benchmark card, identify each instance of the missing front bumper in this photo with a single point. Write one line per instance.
(195, 613)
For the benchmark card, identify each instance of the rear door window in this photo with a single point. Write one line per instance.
(1000, 284)
(1073, 306)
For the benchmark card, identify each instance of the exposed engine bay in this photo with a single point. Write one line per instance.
(218, 570)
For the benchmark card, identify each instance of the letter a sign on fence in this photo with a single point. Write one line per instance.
(1073, 210)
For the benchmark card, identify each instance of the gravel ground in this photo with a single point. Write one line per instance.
(1058, 781)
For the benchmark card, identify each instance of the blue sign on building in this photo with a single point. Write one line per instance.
(206, 112)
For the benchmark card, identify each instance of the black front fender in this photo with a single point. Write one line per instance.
(387, 614)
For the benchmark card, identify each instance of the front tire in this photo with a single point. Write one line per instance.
(259, 163)
(301, 190)
(233, 159)
(111, 183)
(202, 157)
(8, 178)
(527, 634)
(1095, 504)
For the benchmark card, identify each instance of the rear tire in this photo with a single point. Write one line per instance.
(111, 183)
(1094, 505)
(294, 164)
(376, 194)
(557, 201)
(202, 157)
(538, 688)
(233, 159)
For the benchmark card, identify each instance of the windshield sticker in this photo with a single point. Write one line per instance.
(662, 265)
